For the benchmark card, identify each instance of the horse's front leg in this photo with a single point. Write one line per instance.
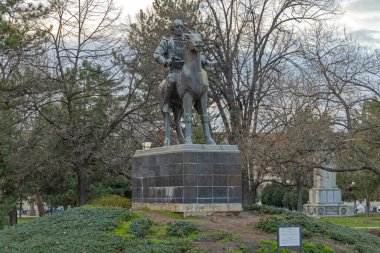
(166, 116)
(187, 107)
(205, 120)
(165, 109)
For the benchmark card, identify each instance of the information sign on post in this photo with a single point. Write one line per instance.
(289, 236)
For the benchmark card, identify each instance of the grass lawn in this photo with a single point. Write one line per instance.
(357, 221)
(25, 219)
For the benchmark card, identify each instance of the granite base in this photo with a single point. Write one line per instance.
(191, 179)
(332, 210)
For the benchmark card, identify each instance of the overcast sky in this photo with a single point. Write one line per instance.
(362, 17)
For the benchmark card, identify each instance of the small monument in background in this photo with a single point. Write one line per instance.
(325, 198)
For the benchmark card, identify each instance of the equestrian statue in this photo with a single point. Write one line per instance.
(186, 84)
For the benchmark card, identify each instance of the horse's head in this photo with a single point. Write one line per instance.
(194, 41)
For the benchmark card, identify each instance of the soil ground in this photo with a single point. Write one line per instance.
(222, 233)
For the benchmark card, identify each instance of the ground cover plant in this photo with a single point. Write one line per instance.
(311, 228)
(71, 231)
(90, 229)
(140, 227)
(181, 229)
(102, 229)
(270, 246)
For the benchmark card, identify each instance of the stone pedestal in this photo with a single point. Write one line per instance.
(192, 179)
(325, 198)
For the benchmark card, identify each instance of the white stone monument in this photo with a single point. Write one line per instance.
(325, 198)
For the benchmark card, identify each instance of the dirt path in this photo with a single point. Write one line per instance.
(241, 224)
(220, 232)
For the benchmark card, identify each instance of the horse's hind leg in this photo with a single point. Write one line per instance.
(166, 116)
(201, 107)
(187, 107)
(178, 111)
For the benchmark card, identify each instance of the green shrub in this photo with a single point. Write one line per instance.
(181, 229)
(118, 185)
(270, 246)
(130, 215)
(309, 247)
(270, 225)
(276, 194)
(112, 201)
(266, 246)
(163, 246)
(273, 194)
(264, 209)
(3, 216)
(140, 227)
(244, 248)
(363, 242)
(289, 200)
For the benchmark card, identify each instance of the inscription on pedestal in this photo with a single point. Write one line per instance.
(332, 210)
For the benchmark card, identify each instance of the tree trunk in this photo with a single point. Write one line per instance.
(253, 192)
(81, 187)
(40, 204)
(246, 199)
(20, 208)
(13, 216)
(299, 195)
(32, 211)
(367, 205)
(249, 191)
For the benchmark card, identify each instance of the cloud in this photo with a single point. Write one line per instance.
(367, 35)
(370, 19)
(366, 6)
(363, 18)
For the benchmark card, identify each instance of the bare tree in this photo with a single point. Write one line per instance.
(348, 75)
(84, 98)
(253, 43)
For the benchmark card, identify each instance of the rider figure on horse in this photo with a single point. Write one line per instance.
(170, 53)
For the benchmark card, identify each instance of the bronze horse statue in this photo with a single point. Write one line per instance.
(191, 89)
